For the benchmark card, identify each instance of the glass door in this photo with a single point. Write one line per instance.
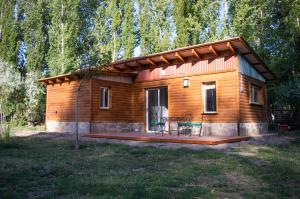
(156, 106)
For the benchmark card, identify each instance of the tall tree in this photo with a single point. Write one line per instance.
(36, 34)
(145, 33)
(87, 12)
(10, 31)
(180, 17)
(252, 19)
(128, 30)
(155, 25)
(100, 51)
(64, 51)
(203, 21)
(114, 12)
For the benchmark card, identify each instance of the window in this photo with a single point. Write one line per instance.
(209, 93)
(104, 97)
(255, 95)
(186, 83)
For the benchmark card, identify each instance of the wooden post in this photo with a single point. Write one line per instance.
(238, 95)
(1, 120)
(76, 113)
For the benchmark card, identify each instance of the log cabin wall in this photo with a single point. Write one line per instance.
(120, 107)
(253, 119)
(61, 100)
(118, 117)
(252, 113)
(127, 109)
(183, 100)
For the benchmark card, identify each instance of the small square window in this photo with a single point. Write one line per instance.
(104, 98)
(186, 83)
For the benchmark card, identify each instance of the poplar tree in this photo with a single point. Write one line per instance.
(64, 30)
(196, 21)
(163, 23)
(114, 12)
(155, 25)
(146, 35)
(128, 30)
(203, 21)
(10, 31)
(36, 34)
(100, 51)
(180, 17)
(87, 12)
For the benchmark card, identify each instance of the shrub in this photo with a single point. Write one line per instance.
(6, 133)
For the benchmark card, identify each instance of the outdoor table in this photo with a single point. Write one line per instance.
(175, 119)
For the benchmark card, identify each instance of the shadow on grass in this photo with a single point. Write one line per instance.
(47, 168)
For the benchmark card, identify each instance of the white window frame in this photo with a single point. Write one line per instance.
(205, 86)
(102, 97)
(252, 90)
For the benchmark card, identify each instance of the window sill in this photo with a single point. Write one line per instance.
(104, 108)
(256, 104)
(209, 113)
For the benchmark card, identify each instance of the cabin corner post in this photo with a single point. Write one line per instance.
(237, 94)
(90, 122)
(47, 109)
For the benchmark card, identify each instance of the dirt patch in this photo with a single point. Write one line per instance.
(271, 139)
(231, 185)
(243, 182)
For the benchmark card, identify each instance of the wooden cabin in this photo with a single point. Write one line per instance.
(220, 84)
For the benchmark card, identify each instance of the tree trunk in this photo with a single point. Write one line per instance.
(76, 113)
(62, 38)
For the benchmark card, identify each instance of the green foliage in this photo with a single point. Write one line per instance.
(180, 17)
(272, 28)
(36, 34)
(101, 51)
(128, 31)
(155, 25)
(63, 55)
(11, 87)
(49, 168)
(10, 36)
(43, 37)
(6, 132)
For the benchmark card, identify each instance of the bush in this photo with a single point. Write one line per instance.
(6, 133)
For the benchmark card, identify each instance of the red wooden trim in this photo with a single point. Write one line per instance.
(179, 56)
(189, 75)
(164, 59)
(211, 48)
(230, 47)
(196, 53)
(151, 62)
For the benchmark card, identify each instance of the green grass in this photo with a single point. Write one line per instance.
(29, 128)
(47, 168)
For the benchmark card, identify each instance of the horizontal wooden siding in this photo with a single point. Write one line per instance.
(61, 100)
(251, 112)
(189, 100)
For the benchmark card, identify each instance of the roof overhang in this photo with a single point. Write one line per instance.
(79, 74)
(210, 50)
(197, 52)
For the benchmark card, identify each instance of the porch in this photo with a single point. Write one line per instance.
(150, 137)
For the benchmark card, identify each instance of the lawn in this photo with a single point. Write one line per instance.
(32, 167)
(29, 128)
